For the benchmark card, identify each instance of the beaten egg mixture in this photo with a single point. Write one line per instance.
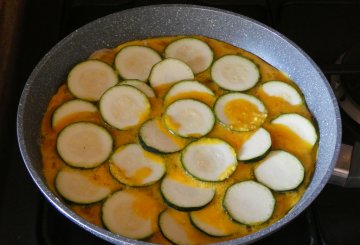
(239, 111)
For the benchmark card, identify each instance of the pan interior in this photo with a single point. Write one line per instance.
(161, 20)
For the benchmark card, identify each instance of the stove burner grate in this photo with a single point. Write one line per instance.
(346, 82)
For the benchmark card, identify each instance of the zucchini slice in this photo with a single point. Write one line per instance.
(71, 107)
(76, 187)
(299, 125)
(136, 62)
(282, 90)
(124, 107)
(215, 223)
(249, 202)
(189, 90)
(88, 80)
(133, 166)
(256, 146)
(235, 73)
(84, 144)
(127, 213)
(169, 71)
(185, 197)
(280, 171)
(209, 159)
(142, 86)
(194, 52)
(189, 118)
(240, 112)
(155, 137)
(176, 227)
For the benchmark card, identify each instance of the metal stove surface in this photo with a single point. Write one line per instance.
(324, 29)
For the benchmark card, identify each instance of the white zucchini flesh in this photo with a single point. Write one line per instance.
(88, 80)
(284, 91)
(132, 165)
(187, 87)
(183, 196)
(299, 125)
(249, 202)
(155, 137)
(122, 215)
(136, 62)
(76, 187)
(175, 229)
(71, 107)
(229, 110)
(124, 107)
(189, 118)
(256, 146)
(194, 52)
(208, 228)
(280, 171)
(209, 159)
(84, 144)
(169, 71)
(140, 85)
(235, 73)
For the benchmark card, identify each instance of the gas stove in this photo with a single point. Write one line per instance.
(329, 31)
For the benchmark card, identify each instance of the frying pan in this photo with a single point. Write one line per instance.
(161, 20)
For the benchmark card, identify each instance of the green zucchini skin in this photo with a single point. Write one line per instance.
(203, 231)
(159, 225)
(256, 159)
(150, 148)
(257, 146)
(175, 186)
(181, 208)
(79, 203)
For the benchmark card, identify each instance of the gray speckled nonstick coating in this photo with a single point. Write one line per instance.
(168, 20)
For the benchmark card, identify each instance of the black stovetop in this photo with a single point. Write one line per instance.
(324, 29)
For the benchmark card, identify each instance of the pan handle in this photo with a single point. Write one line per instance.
(347, 169)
